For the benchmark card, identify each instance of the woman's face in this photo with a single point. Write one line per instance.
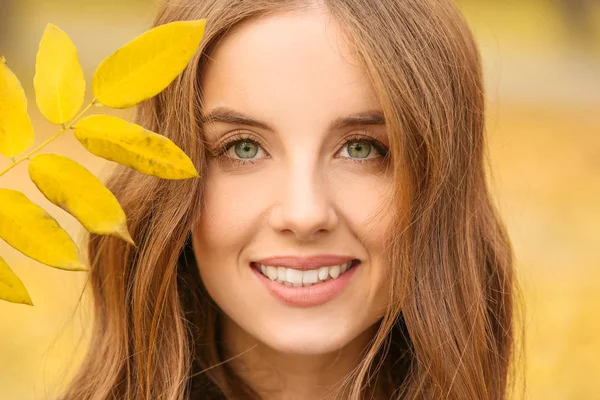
(296, 183)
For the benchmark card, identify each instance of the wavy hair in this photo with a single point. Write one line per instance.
(449, 330)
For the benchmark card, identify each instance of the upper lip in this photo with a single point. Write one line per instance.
(305, 263)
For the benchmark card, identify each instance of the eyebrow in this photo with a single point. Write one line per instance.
(229, 116)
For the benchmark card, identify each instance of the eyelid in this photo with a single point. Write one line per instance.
(360, 135)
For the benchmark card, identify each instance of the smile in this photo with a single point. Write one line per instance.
(291, 277)
(305, 281)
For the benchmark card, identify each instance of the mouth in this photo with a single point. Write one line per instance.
(291, 277)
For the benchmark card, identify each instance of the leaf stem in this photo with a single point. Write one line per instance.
(64, 128)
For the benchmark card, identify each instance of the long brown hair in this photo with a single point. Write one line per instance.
(448, 332)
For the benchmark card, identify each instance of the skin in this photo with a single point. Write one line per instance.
(305, 194)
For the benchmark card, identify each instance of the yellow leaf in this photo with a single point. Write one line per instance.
(30, 229)
(58, 82)
(148, 64)
(11, 287)
(16, 131)
(133, 146)
(77, 191)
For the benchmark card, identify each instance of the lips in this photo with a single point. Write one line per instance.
(305, 281)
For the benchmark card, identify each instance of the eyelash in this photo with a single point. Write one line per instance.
(243, 137)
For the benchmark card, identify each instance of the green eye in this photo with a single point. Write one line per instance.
(359, 149)
(245, 149)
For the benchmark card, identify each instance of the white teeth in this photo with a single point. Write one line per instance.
(311, 276)
(294, 276)
(297, 278)
(344, 267)
(323, 273)
(334, 271)
(281, 273)
(272, 273)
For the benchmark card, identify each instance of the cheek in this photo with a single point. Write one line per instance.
(233, 206)
(228, 221)
(360, 199)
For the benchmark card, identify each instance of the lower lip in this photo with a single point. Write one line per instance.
(309, 296)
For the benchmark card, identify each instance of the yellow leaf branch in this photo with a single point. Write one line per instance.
(138, 71)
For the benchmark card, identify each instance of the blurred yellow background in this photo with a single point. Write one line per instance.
(542, 69)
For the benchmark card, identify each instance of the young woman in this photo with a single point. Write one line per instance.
(341, 242)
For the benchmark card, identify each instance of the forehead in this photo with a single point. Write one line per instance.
(289, 69)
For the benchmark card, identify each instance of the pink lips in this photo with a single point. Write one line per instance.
(310, 296)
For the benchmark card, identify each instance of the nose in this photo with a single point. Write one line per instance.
(304, 206)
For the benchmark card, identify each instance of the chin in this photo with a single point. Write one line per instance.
(308, 342)
(308, 334)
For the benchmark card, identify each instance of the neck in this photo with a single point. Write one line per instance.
(277, 376)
